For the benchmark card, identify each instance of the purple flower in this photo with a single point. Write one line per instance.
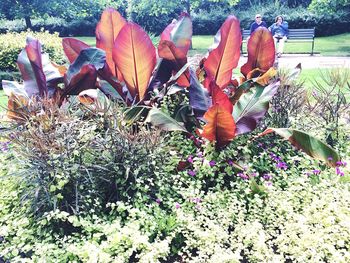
(191, 172)
(158, 201)
(267, 177)
(316, 171)
(177, 205)
(230, 162)
(330, 158)
(275, 157)
(253, 174)
(282, 165)
(200, 154)
(268, 183)
(339, 172)
(341, 163)
(212, 163)
(243, 176)
(190, 159)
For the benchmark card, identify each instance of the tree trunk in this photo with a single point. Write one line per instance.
(28, 22)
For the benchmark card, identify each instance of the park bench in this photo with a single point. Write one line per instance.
(295, 35)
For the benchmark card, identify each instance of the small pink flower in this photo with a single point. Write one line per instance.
(158, 201)
(177, 205)
(190, 159)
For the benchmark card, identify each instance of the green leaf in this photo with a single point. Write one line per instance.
(164, 121)
(307, 143)
(252, 106)
(134, 113)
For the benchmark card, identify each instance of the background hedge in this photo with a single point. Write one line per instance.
(204, 22)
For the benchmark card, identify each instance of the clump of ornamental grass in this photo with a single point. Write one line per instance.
(330, 105)
(289, 101)
(77, 158)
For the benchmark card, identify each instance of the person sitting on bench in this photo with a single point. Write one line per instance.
(279, 31)
(257, 23)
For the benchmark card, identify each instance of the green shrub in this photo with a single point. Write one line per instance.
(12, 43)
(207, 23)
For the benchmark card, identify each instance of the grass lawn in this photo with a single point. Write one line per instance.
(3, 100)
(338, 45)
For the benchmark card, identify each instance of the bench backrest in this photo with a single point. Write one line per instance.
(303, 33)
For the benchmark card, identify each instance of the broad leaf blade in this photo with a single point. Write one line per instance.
(224, 58)
(220, 98)
(107, 31)
(252, 106)
(134, 113)
(135, 57)
(83, 80)
(180, 33)
(72, 48)
(307, 143)
(164, 121)
(89, 56)
(167, 50)
(30, 65)
(220, 127)
(261, 51)
(198, 96)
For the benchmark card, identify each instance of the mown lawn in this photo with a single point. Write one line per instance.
(3, 100)
(338, 45)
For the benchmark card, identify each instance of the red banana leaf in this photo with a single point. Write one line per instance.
(180, 33)
(224, 58)
(220, 126)
(307, 143)
(30, 64)
(83, 80)
(167, 50)
(135, 57)
(261, 51)
(107, 31)
(220, 98)
(72, 48)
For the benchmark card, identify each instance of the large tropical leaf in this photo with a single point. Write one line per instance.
(134, 113)
(83, 80)
(135, 57)
(89, 56)
(30, 64)
(198, 96)
(72, 48)
(224, 58)
(307, 143)
(261, 51)
(107, 31)
(180, 33)
(220, 126)
(167, 50)
(220, 98)
(164, 121)
(252, 106)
